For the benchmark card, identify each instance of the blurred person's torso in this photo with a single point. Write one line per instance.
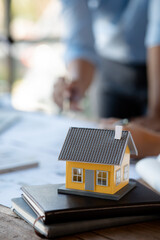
(120, 29)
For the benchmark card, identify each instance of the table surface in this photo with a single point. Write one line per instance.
(12, 227)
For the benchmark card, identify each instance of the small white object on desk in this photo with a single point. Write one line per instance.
(149, 170)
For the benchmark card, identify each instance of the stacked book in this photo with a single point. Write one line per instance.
(55, 215)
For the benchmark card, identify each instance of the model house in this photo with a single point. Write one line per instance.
(97, 160)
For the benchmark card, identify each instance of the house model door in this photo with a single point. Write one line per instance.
(89, 180)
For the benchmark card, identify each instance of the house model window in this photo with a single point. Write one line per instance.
(126, 171)
(97, 161)
(102, 178)
(118, 176)
(77, 175)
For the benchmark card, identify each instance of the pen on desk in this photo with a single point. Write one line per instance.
(70, 97)
(66, 98)
(66, 104)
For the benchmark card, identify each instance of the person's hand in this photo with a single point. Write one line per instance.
(68, 91)
(72, 90)
(152, 123)
(146, 140)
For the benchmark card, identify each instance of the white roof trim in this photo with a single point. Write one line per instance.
(131, 145)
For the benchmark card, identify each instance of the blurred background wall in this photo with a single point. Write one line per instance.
(31, 52)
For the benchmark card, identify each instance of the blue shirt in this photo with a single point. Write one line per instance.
(119, 30)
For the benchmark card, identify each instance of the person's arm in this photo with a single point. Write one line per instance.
(81, 74)
(152, 119)
(152, 41)
(147, 141)
(77, 31)
(154, 82)
(80, 55)
(153, 59)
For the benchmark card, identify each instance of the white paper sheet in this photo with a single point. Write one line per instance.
(40, 136)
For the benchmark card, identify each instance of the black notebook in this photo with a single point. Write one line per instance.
(21, 208)
(54, 207)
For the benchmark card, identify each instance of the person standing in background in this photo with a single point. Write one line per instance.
(121, 40)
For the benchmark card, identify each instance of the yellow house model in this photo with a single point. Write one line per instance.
(97, 161)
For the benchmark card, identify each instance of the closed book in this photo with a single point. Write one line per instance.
(54, 230)
(55, 207)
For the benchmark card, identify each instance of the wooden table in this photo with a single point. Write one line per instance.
(12, 227)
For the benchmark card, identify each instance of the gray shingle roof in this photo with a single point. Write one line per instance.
(96, 146)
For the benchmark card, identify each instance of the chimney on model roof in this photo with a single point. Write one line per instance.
(118, 132)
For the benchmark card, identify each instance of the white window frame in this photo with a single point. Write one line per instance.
(126, 172)
(101, 178)
(118, 176)
(77, 175)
